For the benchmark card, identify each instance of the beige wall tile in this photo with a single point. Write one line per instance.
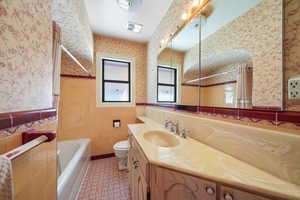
(80, 118)
(34, 171)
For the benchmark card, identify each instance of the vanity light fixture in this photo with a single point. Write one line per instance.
(124, 4)
(129, 5)
(196, 3)
(135, 27)
(185, 16)
(163, 42)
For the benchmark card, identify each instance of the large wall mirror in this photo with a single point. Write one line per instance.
(174, 61)
(242, 54)
(230, 55)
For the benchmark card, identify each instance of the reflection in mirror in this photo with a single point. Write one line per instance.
(226, 80)
(181, 54)
(241, 54)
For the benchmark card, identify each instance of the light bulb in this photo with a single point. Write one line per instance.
(195, 3)
(185, 16)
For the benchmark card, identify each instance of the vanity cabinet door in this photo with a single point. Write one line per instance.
(171, 185)
(138, 184)
(141, 187)
(140, 158)
(130, 168)
(228, 193)
(137, 181)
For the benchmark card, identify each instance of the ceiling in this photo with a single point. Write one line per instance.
(71, 16)
(107, 18)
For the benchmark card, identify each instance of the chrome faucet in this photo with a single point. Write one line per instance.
(173, 128)
(167, 122)
(183, 133)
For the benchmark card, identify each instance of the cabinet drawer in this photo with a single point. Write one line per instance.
(228, 193)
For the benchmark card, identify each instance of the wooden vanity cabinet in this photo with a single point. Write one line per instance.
(166, 184)
(138, 167)
(171, 185)
(228, 193)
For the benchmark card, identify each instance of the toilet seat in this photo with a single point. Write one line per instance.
(122, 145)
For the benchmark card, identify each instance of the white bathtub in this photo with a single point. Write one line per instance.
(73, 160)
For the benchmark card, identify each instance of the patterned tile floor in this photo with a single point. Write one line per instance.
(103, 181)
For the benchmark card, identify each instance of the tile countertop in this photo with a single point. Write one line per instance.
(195, 158)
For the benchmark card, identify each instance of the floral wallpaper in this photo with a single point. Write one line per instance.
(25, 55)
(171, 57)
(116, 48)
(292, 48)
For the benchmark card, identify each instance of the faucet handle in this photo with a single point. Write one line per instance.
(167, 123)
(182, 133)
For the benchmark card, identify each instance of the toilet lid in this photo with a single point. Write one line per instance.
(122, 145)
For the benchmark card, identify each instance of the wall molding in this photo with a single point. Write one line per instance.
(14, 119)
(270, 108)
(98, 157)
(270, 114)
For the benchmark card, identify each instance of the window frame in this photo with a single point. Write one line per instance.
(103, 80)
(165, 84)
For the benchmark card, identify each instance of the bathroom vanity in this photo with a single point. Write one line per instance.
(161, 169)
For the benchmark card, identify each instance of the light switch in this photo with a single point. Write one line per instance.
(117, 123)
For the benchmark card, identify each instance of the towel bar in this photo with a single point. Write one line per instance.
(25, 147)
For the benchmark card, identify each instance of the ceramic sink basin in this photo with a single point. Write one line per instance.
(160, 138)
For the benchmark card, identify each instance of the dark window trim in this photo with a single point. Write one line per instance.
(116, 81)
(170, 85)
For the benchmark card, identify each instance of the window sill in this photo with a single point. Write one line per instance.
(117, 104)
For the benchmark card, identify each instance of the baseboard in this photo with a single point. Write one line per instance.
(97, 157)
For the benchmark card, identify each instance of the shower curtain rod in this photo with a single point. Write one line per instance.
(210, 76)
(75, 60)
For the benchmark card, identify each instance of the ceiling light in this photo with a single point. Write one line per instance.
(129, 5)
(185, 16)
(124, 4)
(195, 3)
(132, 26)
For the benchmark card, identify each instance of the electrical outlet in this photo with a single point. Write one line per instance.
(294, 87)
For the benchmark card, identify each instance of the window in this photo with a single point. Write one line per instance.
(166, 84)
(116, 84)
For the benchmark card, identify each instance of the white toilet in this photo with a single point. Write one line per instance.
(121, 151)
